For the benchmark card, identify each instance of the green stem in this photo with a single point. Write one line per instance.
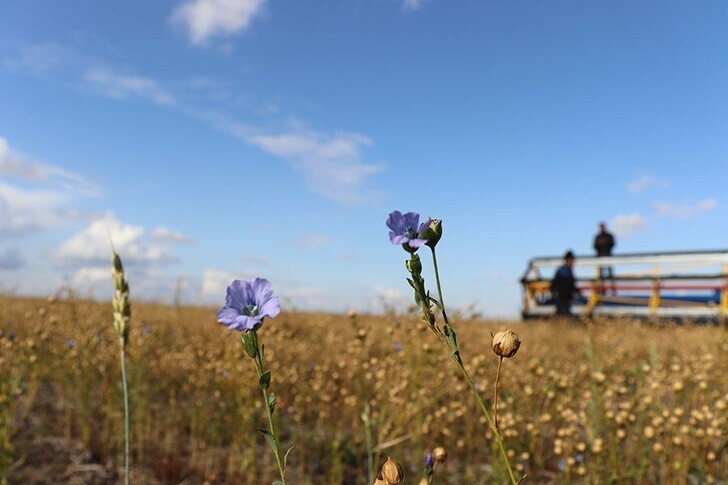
(458, 361)
(276, 452)
(127, 425)
(370, 445)
(484, 408)
(439, 288)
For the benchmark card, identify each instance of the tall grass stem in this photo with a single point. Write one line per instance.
(127, 424)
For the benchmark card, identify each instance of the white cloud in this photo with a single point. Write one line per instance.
(331, 164)
(214, 282)
(390, 297)
(123, 86)
(42, 58)
(92, 245)
(306, 297)
(412, 4)
(92, 277)
(643, 183)
(625, 225)
(685, 211)
(164, 234)
(204, 19)
(15, 165)
(25, 211)
(255, 260)
(312, 241)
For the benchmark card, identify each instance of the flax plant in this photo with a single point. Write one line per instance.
(122, 316)
(406, 230)
(246, 305)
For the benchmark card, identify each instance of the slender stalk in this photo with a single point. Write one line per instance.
(127, 425)
(276, 452)
(495, 394)
(491, 424)
(370, 444)
(458, 361)
(439, 288)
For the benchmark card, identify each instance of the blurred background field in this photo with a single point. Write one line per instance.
(603, 402)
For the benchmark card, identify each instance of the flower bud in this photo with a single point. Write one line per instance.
(506, 343)
(392, 473)
(440, 454)
(431, 230)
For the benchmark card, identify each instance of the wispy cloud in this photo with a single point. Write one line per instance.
(331, 163)
(123, 86)
(41, 58)
(14, 165)
(164, 234)
(215, 281)
(412, 4)
(643, 183)
(624, 225)
(204, 19)
(685, 211)
(255, 260)
(312, 241)
(35, 196)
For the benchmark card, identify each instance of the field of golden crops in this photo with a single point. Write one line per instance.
(604, 402)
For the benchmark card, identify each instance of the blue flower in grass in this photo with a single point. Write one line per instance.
(405, 230)
(247, 303)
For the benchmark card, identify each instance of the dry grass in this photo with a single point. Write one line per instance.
(611, 401)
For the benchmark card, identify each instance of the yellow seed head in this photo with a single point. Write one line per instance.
(505, 344)
(392, 473)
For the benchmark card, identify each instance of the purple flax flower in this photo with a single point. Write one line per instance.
(247, 303)
(429, 461)
(404, 229)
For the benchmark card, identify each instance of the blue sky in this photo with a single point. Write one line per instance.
(216, 139)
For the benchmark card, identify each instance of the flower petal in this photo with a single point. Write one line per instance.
(227, 315)
(396, 222)
(249, 323)
(412, 220)
(270, 308)
(262, 289)
(417, 243)
(398, 238)
(235, 297)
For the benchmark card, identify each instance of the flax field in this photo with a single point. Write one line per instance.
(599, 402)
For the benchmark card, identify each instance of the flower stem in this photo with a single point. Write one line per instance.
(495, 394)
(127, 425)
(491, 424)
(455, 355)
(439, 288)
(259, 367)
(370, 445)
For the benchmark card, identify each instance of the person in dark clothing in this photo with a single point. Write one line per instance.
(603, 245)
(563, 286)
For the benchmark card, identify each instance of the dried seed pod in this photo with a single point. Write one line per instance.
(440, 454)
(392, 472)
(506, 343)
